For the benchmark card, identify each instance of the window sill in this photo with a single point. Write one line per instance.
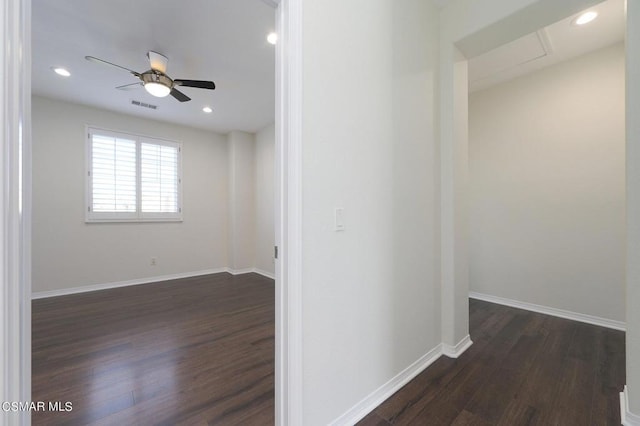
(136, 220)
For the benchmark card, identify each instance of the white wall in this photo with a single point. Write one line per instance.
(370, 294)
(547, 203)
(264, 199)
(67, 252)
(242, 190)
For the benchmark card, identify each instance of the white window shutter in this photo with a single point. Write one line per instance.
(159, 178)
(113, 169)
(132, 178)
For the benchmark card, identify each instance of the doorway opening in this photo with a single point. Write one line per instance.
(132, 313)
(547, 197)
(547, 168)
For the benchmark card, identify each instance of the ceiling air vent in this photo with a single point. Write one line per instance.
(143, 104)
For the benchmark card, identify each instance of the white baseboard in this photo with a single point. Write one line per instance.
(265, 273)
(239, 271)
(251, 270)
(148, 280)
(458, 349)
(575, 316)
(627, 417)
(377, 397)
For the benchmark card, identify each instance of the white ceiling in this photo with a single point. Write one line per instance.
(556, 43)
(219, 40)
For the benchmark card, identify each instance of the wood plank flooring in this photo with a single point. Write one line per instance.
(195, 351)
(200, 351)
(523, 368)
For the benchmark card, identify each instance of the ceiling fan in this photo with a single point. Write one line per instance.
(155, 81)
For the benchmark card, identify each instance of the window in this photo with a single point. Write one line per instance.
(132, 178)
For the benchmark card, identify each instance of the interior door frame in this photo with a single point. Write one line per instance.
(16, 210)
(288, 215)
(15, 207)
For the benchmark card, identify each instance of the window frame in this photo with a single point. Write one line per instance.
(138, 215)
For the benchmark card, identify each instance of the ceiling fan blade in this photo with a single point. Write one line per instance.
(200, 84)
(101, 61)
(179, 95)
(131, 86)
(158, 62)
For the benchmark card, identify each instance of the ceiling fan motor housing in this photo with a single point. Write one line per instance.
(152, 76)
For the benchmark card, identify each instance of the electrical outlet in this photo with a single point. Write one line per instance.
(153, 261)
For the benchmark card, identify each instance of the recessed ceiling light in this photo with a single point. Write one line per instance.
(61, 71)
(272, 38)
(585, 18)
(207, 109)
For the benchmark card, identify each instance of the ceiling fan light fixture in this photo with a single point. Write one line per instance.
(158, 90)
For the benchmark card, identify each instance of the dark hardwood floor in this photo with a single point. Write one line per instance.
(522, 369)
(195, 351)
(200, 351)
